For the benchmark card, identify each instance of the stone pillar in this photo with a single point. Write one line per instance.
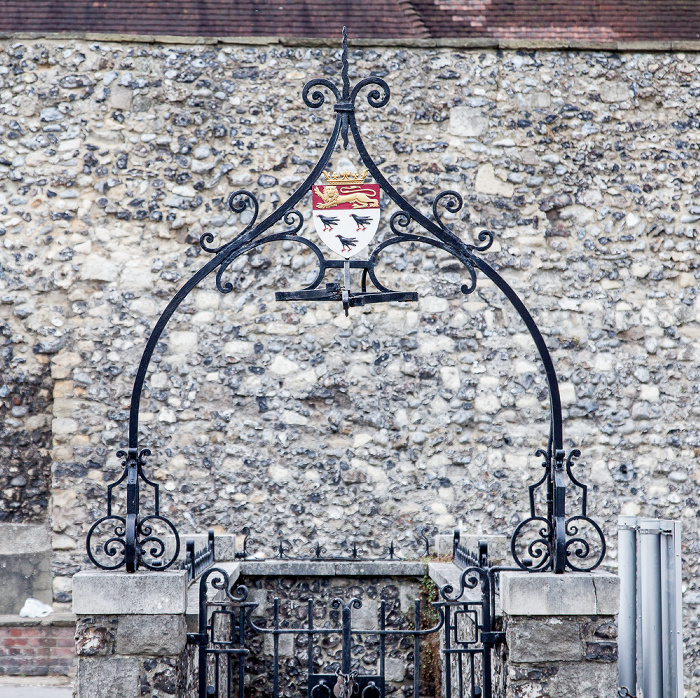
(130, 634)
(561, 636)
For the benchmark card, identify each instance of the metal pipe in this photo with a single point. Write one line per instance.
(650, 586)
(666, 563)
(672, 608)
(627, 620)
(677, 612)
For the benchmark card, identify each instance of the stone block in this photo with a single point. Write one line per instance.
(544, 640)
(584, 680)
(602, 651)
(549, 594)
(151, 635)
(121, 593)
(468, 123)
(367, 616)
(120, 98)
(614, 92)
(25, 565)
(108, 677)
(23, 538)
(285, 646)
(94, 636)
(486, 182)
(395, 669)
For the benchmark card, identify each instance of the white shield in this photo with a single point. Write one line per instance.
(346, 216)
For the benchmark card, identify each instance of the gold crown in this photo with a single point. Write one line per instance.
(345, 177)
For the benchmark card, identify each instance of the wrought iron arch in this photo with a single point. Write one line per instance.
(560, 541)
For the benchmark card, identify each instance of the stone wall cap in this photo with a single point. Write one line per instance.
(569, 594)
(286, 568)
(18, 539)
(652, 45)
(351, 568)
(99, 592)
(55, 619)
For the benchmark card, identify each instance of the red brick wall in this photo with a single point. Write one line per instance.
(37, 648)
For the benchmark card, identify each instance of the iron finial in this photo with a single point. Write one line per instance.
(344, 59)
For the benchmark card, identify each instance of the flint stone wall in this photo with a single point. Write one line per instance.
(116, 157)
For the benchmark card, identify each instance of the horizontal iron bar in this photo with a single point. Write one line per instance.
(356, 299)
(354, 263)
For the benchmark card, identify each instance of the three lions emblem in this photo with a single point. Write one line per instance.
(346, 212)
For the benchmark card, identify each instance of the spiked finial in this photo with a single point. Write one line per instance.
(346, 79)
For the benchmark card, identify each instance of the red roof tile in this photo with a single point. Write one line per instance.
(502, 19)
(621, 20)
(288, 18)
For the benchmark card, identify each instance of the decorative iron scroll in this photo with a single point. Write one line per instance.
(283, 550)
(133, 541)
(548, 539)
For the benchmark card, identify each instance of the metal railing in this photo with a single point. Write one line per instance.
(195, 563)
(650, 621)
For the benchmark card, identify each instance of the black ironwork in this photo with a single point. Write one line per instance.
(196, 562)
(464, 557)
(549, 538)
(463, 621)
(132, 540)
(283, 550)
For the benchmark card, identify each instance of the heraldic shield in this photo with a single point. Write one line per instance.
(346, 212)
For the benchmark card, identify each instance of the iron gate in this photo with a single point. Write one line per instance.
(232, 637)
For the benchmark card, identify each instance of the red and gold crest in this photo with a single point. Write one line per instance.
(346, 212)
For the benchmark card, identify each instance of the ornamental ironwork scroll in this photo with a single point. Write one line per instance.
(550, 538)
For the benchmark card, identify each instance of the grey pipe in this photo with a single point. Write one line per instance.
(627, 620)
(650, 587)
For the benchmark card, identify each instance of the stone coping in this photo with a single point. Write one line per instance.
(97, 592)
(640, 46)
(18, 539)
(568, 594)
(304, 568)
(53, 619)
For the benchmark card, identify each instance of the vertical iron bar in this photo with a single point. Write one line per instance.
(460, 668)
(309, 636)
(472, 669)
(416, 650)
(132, 513)
(241, 657)
(382, 638)
(203, 628)
(275, 658)
(486, 623)
(216, 675)
(448, 659)
(347, 640)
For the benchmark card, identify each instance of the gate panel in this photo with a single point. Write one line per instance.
(308, 644)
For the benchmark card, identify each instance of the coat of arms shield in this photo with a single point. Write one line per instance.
(346, 212)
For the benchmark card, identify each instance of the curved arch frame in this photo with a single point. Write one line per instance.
(558, 539)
